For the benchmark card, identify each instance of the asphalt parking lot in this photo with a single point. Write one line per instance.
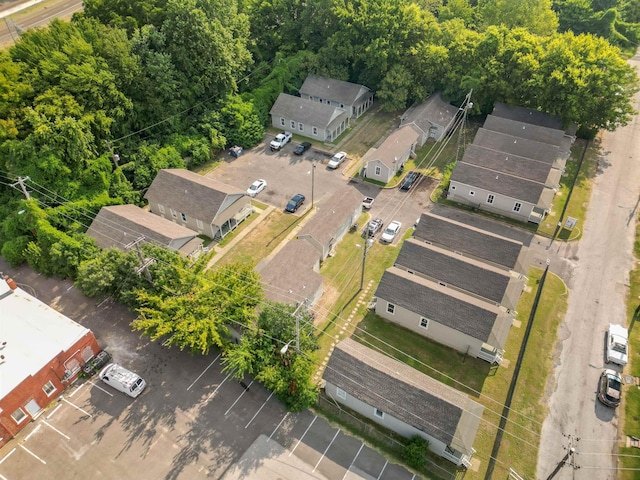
(193, 421)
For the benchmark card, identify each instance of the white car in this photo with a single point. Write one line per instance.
(256, 187)
(390, 232)
(617, 344)
(337, 159)
(280, 141)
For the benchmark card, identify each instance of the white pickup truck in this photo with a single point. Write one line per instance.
(367, 202)
(280, 141)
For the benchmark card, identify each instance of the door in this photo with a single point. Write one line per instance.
(33, 408)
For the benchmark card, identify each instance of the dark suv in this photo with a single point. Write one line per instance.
(409, 180)
(294, 203)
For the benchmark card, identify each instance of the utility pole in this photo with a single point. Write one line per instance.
(144, 262)
(23, 187)
(572, 451)
(467, 104)
(367, 243)
(114, 156)
(296, 314)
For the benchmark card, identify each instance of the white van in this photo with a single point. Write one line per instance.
(122, 379)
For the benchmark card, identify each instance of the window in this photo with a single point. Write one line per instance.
(471, 193)
(184, 217)
(341, 393)
(282, 122)
(199, 224)
(391, 308)
(342, 105)
(452, 187)
(490, 198)
(378, 413)
(161, 208)
(49, 388)
(424, 322)
(314, 130)
(378, 170)
(328, 102)
(293, 124)
(19, 415)
(517, 206)
(301, 127)
(173, 213)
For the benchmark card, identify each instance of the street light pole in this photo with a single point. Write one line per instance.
(313, 169)
(368, 242)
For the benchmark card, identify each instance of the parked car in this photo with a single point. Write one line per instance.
(617, 344)
(391, 231)
(337, 159)
(367, 202)
(235, 151)
(256, 187)
(294, 203)
(610, 388)
(96, 363)
(373, 227)
(409, 180)
(280, 141)
(303, 147)
(123, 380)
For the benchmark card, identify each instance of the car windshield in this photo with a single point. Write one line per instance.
(390, 230)
(253, 187)
(613, 388)
(619, 347)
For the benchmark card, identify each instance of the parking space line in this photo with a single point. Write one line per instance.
(7, 455)
(353, 461)
(205, 371)
(327, 449)
(100, 388)
(32, 432)
(33, 454)
(414, 477)
(76, 390)
(239, 397)
(54, 411)
(3, 477)
(278, 426)
(259, 410)
(55, 429)
(382, 471)
(76, 407)
(305, 432)
(214, 392)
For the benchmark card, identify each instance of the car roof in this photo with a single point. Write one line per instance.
(619, 330)
(297, 196)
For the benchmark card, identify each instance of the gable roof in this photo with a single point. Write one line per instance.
(393, 147)
(433, 111)
(431, 406)
(331, 214)
(498, 182)
(116, 226)
(187, 192)
(547, 135)
(310, 113)
(468, 240)
(523, 147)
(527, 115)
(346, 93)
(455, 270)
(507, 163)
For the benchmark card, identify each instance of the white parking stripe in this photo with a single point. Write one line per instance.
(31, 453)
(259, 410)
(326, 449)
(239, 397)
(76, 407)
(382, 471)
(354, 461)
(55, 429)
(305, 432)
(32, 432)
(76, 390)
(7, 455)
(205, 371)
(54, 411)
(214, 392)
(3, 477)
(100, 388)
(276, 429)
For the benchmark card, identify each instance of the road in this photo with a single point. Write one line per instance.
(598, 288)
(36, 16)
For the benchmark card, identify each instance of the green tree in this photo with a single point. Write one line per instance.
(460, 9)
(534, 15)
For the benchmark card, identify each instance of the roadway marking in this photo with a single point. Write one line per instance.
(382, 471)
(7, 455)
(259, 410)
(3, 477)
(326, 449)
(76, 407)
(239, 397)
(76, 390)
(354, 461)
(214, 392)
(33, 454)
(305, 432)
(35, 430)
(54, 411)
(205, 371)
(55, 429)
(100, 388)
(278, 426)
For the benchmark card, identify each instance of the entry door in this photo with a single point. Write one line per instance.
(33, 408)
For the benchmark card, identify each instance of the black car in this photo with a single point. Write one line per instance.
(303, 147)
(409, 180)
(294, 203)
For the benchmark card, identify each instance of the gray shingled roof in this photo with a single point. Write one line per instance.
(527, 115)
(393, 147)
(330, 88)
(118, 225)
(546, 135)
(517, 146)
(435, 302)
(187, 192)
(466, 240)
(434, 110)
(501, 183)
(312, 114)
(507, 163)
(405, 393)
(454, 270)
(282, 283)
